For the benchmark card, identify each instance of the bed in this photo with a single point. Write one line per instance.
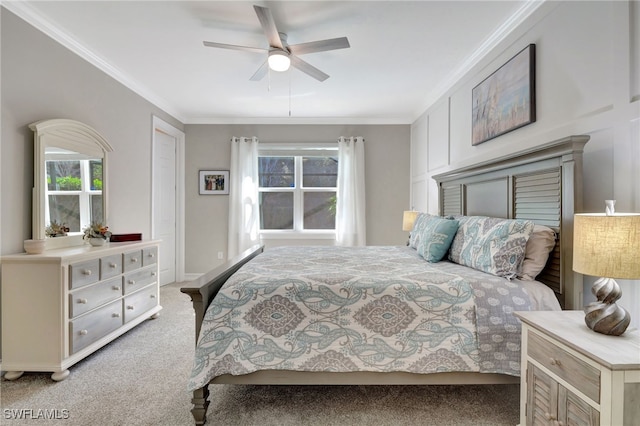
(370, 315)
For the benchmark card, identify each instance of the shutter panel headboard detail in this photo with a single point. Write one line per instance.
(451, 200)
(543, 184)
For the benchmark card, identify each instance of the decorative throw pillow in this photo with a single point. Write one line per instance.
(418, 225)
(540, 244)
(460, 218)
(491, 245)
(436, 237)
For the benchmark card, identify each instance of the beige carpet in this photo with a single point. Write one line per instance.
(140, 379)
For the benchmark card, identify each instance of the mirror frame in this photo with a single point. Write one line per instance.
(74, 136)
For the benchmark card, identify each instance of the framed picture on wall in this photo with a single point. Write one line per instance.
(213, 182)
(506, 99)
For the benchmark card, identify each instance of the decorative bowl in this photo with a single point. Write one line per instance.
(34, 246)
(97, 242)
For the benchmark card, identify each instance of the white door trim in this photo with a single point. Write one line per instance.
(163, 126)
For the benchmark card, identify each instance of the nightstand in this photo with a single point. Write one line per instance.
(573, 375)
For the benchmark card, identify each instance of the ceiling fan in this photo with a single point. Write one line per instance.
(280, 54)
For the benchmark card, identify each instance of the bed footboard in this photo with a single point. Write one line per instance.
(202, 291)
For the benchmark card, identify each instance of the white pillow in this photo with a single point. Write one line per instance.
(539, 245)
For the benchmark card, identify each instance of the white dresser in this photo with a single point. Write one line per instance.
(62, 305)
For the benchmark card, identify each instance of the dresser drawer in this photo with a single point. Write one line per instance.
(89, 328)
(132, 260)
(140, 302)
(578, 373)
(90, 297)
(110, 266)
(84, 273)
(149, 256)
(136, 280)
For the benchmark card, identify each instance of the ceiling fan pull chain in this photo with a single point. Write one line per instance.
(289, 93)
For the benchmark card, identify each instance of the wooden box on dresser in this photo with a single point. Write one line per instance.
(572, 375)
(62, 305)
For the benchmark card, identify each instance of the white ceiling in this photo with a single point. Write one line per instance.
(403, 54)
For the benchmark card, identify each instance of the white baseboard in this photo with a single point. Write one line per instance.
(192, 276)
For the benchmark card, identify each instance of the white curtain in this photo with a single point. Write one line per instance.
(350, 208)
(244, 213)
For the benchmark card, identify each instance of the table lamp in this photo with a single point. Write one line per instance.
(408, 219)
(607, 245)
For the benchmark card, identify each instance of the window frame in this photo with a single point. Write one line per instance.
(84, 194)
(298, 152)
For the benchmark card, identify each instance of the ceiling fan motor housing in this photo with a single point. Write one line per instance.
(280, 54)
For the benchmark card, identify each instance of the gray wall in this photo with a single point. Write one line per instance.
(587, 81)
(386, 175)
(43, 80)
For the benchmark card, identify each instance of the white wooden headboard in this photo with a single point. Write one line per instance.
(543, 184)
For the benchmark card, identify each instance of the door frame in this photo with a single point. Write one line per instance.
(163, 126)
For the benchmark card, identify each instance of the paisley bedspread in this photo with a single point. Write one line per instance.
(375, 308)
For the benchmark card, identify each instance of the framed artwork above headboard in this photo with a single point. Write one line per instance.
(543, 184)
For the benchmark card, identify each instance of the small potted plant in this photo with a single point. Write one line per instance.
(56, 229)
(97, 233)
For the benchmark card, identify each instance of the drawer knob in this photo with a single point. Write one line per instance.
(84, 332)
(134, 259)
(130, 307)
(83, 301)
(115, 315)
(131, 281)
(153, 274)
(115, 287)
(549, 416)
(554, 361)
(153, 296)
(113, 265)
(151, 255)
(86, 271)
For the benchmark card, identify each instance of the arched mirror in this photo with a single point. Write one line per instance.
(70, 168)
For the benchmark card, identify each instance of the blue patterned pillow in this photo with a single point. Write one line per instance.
(435, 238)
(418, 225)
(491, 245)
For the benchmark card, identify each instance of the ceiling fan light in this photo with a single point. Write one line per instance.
(279, 60)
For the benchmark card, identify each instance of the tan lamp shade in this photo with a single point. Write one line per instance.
(408, 219)
(607, 246)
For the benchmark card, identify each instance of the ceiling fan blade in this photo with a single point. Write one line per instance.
(268, 26)
(309, 69)
(261, 72)
(320, 46)
(234, 47)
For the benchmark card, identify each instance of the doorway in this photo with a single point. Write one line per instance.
(167, 199)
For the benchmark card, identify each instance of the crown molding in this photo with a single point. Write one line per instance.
(32, 16)
(488, 45)
(303, 120)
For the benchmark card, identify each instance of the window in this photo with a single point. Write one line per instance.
(74, 192)
(297, 193)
